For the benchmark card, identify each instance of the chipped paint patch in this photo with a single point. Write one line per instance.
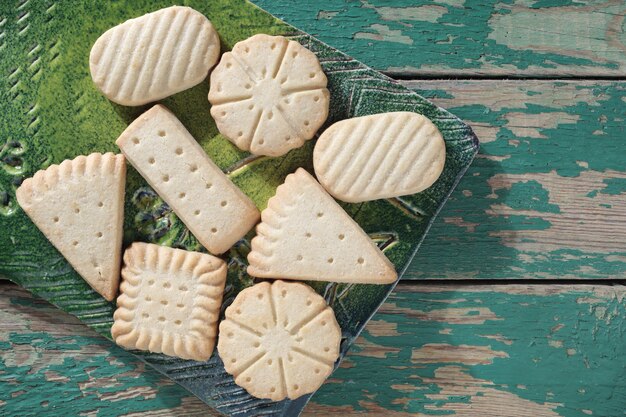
(327, 14)
(370, 349)
(474, 315)
(453, 3)
(427, 13)
(404, 387)
(385, 34)
(445, 353)
(380, 328)
(483, 395)
(555, 343)
(532, 125)
(497, 337)
(551, 30)
(615, 258)
(470, 227)
(565, 228)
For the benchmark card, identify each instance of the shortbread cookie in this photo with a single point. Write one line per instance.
(379, 156)
(154, 56)
(279, 340)
(170, 301)
(306, 235)
(174, 164)
(268, 95)
(79, 207)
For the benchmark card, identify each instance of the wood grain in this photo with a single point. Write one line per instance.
(521, 38)
(502, 350)
(546, 196)
(544, 200)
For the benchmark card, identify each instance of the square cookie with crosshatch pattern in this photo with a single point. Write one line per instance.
(170, 301)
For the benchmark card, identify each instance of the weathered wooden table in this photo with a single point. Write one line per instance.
(515, 305)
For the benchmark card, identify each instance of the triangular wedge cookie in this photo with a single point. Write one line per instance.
(79, 207)
(306, 235)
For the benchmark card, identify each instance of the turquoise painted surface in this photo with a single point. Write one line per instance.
(534, 350)
(546, 196)
(71, 369)
(522, 350)
(469, 38)
(570, 204)
(536, 203)
(49, 388)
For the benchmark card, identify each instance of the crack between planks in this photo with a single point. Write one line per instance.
(493, 282)
(453, 76)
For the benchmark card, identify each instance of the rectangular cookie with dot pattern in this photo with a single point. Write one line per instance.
(169, 301)
(169, 158)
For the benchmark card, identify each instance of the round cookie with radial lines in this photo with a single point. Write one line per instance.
(268, 95)
(279, 340)
(379, 156)
(154, 56)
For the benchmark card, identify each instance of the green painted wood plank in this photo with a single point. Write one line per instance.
(488, 351)
(541, 38)
(513, 350)
(546, 196)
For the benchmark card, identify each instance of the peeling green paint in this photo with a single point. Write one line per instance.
(532, 197)
(514, 183)
(615, 186)
(46, 395)
(532, 370)
(564, 350)
(498, 37)
(547, 350)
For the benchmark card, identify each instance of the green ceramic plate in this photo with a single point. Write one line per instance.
(51, 111)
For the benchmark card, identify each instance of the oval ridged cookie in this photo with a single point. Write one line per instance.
(170, 301)
(279, 340)
(268, 95)
(379, 156)
(154, 56)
